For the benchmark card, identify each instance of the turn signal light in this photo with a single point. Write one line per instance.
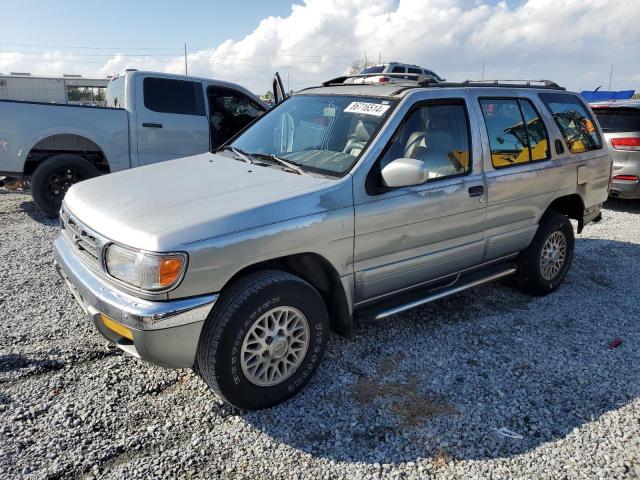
(170, 270)
(626, 143)
(116, 327)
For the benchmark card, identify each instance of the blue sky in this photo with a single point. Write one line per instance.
(573, 42)
(132, 24)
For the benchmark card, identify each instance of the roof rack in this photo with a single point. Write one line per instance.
(428, 81)
(548, 84)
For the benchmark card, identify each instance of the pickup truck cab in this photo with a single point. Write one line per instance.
(343, 200)
(150, 117)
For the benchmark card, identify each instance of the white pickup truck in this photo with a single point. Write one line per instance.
(149, 117)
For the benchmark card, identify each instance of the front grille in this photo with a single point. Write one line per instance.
(86, 243)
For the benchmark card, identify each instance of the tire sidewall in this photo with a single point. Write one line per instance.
(234, 386)
(557, 223)
(41, 174)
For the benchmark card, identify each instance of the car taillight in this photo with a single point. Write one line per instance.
(628, 143)
(627, 178)
(383, 79)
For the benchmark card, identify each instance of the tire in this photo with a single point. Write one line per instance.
(545, 263)
(54, 176)
(238, 327)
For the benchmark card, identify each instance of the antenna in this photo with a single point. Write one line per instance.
(610, 76)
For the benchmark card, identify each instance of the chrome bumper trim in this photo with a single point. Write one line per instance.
(96, 296)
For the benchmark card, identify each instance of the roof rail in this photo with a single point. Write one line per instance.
(428, 81)
(548, 84)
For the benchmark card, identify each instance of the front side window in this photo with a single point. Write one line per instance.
(516, 132)
(436, 134)
(414, 70)
(230, 111)
(573, 120)
(166, 95)
(321, 133)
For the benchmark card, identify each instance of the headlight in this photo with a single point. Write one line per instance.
(147, 271)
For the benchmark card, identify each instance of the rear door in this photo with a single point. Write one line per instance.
(171, 119)
(522, 177)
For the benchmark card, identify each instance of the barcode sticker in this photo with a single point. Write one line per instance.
(374, 109)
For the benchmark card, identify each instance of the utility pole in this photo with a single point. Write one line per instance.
(186, 72)
(610, 76)
(482, 68)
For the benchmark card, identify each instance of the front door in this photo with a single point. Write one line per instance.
(171, 119)
(407, 236)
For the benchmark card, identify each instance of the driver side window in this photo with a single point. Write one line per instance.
(436, 134)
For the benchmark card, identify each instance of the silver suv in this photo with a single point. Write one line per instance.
(342, 200)
(620, 122)
(393, 72)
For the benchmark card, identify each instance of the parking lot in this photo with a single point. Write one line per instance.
(489, 383)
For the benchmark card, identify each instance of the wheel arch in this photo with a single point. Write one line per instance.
(72, 141)
(321, 274)
(570, 205)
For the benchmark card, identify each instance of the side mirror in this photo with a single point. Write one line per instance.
(404, 172)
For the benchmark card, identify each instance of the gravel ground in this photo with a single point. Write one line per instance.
(422, 395)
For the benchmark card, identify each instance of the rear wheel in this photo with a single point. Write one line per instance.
(52, 179)
(545, 263)
(263, 340)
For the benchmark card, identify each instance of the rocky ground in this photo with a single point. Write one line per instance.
(489, 383)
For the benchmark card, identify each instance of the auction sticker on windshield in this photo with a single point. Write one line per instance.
(367, 108)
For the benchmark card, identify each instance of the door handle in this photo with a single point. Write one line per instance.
(152, 125)
(476, 191)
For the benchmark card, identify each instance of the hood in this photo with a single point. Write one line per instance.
(164, 206)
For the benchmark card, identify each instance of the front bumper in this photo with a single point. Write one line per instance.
(164, 333)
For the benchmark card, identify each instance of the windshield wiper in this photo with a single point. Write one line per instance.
(239, 153)
(281, 161)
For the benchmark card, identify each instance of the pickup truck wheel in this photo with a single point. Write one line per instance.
(263, 340)
(545, 263)
(54, 177)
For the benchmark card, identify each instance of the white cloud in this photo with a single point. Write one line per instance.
(571, 41)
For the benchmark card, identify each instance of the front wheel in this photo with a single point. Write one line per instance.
(545, 263)
(54, 177)
(263, 340)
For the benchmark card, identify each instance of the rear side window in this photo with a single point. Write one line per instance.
(618, 119)
(173, 96)
(516, 132)
(436, 134)
(398, 70)
(373, 70)
(573, 120)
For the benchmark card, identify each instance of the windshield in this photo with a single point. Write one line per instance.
(320, 133)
